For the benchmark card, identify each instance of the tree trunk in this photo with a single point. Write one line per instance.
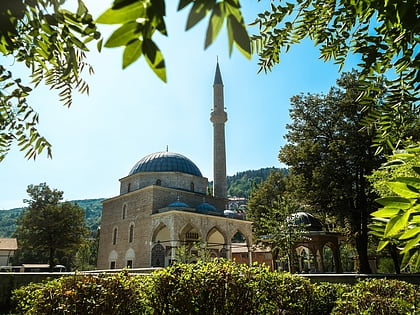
(361, 224)
(51, 258)
(361, 229)
(395, 258)
(361, 247)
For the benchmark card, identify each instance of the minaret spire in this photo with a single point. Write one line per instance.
(218, 118)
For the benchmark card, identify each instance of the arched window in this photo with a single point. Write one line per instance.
(192, 186)
(131, 233)
(124, 212)
(114, 236)
(129, 187)
(158, 182)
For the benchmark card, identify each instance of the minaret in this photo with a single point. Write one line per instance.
(218, 118)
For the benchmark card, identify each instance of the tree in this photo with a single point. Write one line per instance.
(270, 209)
(385, 34)
(264, 199)
(329, 158)
(51, 42)
(48, 227)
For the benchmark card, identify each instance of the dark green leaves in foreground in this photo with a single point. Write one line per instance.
(139, 20)
(51, 42)
(398, 222)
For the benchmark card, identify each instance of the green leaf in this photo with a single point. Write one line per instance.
(396, 224)
(124, 14)
(183, 3)
(403, 190)
(386, 212)
(240, 36)
(412, 182)
(377, 233)
(122, 35)
(377, 228)
(411, 232)
(132, 52)
(394, 202)
(230, 35)
(215, 24)
(154, 58)
(198, 11)
(99, 45)
(411, 244)
(382, 245)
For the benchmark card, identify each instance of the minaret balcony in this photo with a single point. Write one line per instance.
(218, 118)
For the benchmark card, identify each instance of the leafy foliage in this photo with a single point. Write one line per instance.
(51, 42)
(398, 221)
(385, 34)
(264, 198)
(8, 220)
(139, 20)
(326, 296)
(48, 227)
(104, 294)
(380, 296)
(243, 183)
(217, 287)
(92, 208)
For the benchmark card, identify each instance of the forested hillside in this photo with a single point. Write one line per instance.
(239, 185)
(93, 208)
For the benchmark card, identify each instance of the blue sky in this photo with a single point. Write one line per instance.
(130, 113)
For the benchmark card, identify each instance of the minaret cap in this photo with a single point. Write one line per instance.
(218, 76)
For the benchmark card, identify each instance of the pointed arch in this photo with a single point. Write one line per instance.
(190, 233)
(161, 233)
(216, 238)
(240, 237)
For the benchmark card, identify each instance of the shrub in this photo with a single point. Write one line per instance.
(224, 287)
(217, 287)
(104, 294)
(201, 288)
(380, 296)
(325, 297)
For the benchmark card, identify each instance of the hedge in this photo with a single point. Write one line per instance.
(217, 287)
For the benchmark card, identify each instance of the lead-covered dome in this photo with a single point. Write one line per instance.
(305, 219)
(166, 162)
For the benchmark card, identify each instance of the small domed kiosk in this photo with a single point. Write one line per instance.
(318, 251)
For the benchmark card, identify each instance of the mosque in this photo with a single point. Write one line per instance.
(164, 203)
